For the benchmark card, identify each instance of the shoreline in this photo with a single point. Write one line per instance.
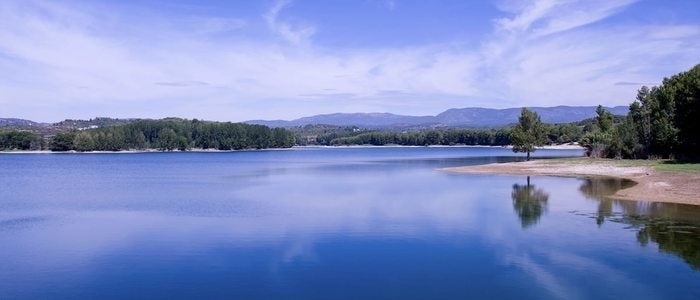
(199, 150)
(549, 147)
(652, 185)
(137, 151)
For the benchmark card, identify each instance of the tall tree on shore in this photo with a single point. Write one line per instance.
(684, 89)
(666, 117)
(529, 133)
(604, 118)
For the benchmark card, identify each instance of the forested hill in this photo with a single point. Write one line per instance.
(456, 117)
(167, 134)
(14, 122)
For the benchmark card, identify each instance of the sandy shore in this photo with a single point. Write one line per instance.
(652, 185)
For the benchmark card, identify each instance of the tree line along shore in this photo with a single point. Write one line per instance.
(194, 134)
(165, 135)
(180, 134)
(661, 123)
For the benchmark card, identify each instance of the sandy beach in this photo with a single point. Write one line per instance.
(652, 185)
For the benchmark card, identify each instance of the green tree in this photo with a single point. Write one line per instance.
(528, 133)
(602, 139)
(627, 141)
(181, 143)
(83, 141)
(663, 131)
(684, 90)
(19, 140)
(639, 113)
(666, 117)
(62, 141)
(604, 118)
(167, 140)
(139, 141)
(433, 137)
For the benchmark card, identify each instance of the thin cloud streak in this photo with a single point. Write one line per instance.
(182, 83)
(545, 17)
(299, 35)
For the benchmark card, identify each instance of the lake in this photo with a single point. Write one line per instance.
(339, 223)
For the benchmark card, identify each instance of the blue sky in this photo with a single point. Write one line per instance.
(240, 60)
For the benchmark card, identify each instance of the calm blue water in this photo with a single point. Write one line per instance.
(349, 223)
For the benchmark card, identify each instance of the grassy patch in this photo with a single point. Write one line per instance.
(600, 161)
(659, 165)
(568, 160)
(673, 166)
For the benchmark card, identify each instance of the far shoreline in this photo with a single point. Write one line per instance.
(138, 151)
(652, 185)
(548, 147)
(200, 150)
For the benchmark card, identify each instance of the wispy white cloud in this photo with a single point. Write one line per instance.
(58, 62)
(581, 67)
(526, 14)
(296, 35)
(86, 68)
(543, 17)
(544, 54)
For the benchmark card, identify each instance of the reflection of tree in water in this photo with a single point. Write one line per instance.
(673, 237)
(674, 227)
(529, 203)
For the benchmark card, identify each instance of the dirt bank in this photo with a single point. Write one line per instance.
(652, 185)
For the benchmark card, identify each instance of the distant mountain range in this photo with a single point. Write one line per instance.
(455, 117)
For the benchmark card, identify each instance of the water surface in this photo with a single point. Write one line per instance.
(316, 223)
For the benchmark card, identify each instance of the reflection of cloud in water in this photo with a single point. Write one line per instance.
(292, 217)
(543, 264)
(294, 221)
(301, 249)
(542, 276)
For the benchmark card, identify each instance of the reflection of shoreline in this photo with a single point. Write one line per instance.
(672, 187)
(673, 227)
(547, 147)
